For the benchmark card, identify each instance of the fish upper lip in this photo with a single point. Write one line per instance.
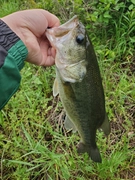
(65, 28)
(68, 23)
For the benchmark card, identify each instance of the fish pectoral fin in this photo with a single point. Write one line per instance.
(55, 88)
(106, 126)
(69, 125)
(92, 152)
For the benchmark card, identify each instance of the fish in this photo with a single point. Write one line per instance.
(78, 83)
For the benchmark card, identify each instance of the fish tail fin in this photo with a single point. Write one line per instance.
(95, 155)
(106, 126)
(92, 152)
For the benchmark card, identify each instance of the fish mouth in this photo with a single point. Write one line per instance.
(53, 34)
(74, 72)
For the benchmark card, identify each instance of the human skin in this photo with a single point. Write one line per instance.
(30, 26)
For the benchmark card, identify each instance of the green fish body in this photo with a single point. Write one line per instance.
(79, 85)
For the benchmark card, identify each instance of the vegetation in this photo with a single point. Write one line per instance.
(33, 142)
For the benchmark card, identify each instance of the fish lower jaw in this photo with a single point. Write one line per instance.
(72, 73)
(71, 78)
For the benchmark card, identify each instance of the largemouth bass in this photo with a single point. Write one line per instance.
(79, 85)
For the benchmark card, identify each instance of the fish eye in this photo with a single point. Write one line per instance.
(80, 38)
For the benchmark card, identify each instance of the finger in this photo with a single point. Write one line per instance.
(51, 52)
(48, 56)
(52, 20)
(36, 20)
(49, 61)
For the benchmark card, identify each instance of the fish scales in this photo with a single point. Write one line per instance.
(79, 84)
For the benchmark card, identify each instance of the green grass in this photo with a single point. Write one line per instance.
(33, 145)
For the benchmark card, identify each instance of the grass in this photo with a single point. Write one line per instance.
(33, 144)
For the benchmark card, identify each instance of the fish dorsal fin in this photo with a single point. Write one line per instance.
(55, 88)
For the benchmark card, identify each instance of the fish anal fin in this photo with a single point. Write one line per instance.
(69, 125)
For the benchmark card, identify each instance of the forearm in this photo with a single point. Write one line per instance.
(13, 52)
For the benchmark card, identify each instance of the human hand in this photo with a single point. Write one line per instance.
(30, 26)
